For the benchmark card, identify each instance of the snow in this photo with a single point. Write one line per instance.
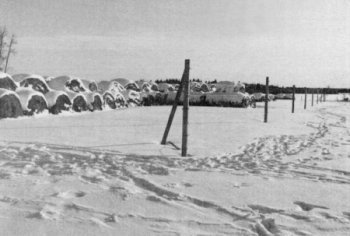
(106, 173)
(26, 94)
(4, 75)
(4, 92)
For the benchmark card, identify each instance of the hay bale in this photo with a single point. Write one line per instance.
(91, 85)
(94, 101)
(78, 100)
(132, 97)
(32, 102)
(57, 101)
(35, 82)
(113, 99)
(67, 83)
(127, 84)
(7, 82)
(10, 105)
(165, 87)
(104, 86)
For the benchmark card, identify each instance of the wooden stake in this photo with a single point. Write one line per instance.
(266, 100)
(305, 100)
(312, 98)
(293, 99)
(177, 98)
(317, 97)
(186, 84)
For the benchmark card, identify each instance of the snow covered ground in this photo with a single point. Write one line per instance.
(105, 173)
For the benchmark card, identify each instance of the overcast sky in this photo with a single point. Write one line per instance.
(302, 42)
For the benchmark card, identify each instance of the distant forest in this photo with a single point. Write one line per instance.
(256, 88)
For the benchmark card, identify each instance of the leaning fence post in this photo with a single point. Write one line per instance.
(186, 84)
(293, 99)
(266, 99)
(173, 110)
(305, 100)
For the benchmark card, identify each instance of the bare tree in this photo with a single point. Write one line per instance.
(3, 44)
(10, 50)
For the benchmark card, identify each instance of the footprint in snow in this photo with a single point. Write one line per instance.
(308, 207)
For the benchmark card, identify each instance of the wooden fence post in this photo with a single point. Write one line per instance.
(317, 96)
(312, 98)
(266, 99)
(177, 98)
(186, 85)
(305, 100)
(293, 99)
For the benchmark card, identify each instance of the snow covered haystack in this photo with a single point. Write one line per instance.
(153, 98)
(132, 97)
(92, 85)
(127, 84)
(287, 96)
(165, 87)
(32, 101)
(103, 86)
(226, 94)
(35, 82)
(94, 101)
(10, 105)
(68, 83)
(7, 82)
(112, 94)
(78, 100)
(57, 101)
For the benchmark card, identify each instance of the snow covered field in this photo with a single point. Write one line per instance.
(105, 173)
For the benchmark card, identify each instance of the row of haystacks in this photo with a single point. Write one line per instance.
(25, 94)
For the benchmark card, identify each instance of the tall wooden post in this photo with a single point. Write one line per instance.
(305, 100)
(317, 96)
(266, 99)
(312, 98)
(177, 98)
(186, 84)
(293, 99)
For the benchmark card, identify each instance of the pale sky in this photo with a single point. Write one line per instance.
(301, 42)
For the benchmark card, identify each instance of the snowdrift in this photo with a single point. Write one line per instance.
(32, 101)
(10, 105)
(7, 82)
(57, 101)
